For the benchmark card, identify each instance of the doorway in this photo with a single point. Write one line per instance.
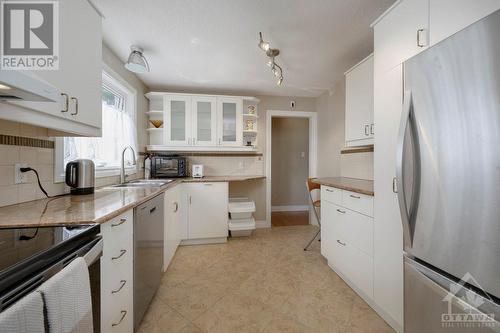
(291, 146)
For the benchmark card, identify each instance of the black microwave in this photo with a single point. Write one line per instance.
(168, 167)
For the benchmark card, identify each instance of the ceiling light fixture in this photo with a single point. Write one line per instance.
(136, 62)
(272, 54)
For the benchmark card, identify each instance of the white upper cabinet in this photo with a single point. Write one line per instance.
(177, 128)
(402, 33)
(204, 121)
(450, 16)
(230, 121)
(197, 122)
(78, 78)
(359, 127)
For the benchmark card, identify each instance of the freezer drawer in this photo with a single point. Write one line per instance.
(430, 306)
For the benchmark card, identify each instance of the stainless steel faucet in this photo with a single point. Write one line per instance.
(123, 176)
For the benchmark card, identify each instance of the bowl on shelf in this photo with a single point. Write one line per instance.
(157, 123)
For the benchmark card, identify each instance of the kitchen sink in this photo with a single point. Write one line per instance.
(145, 183)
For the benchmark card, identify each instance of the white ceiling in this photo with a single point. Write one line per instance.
(211, 45)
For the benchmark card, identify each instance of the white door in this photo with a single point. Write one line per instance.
(401, 34)
(359, 103)
(80, 65)
(208, 211)
(450, 16)
(204, 121)
(177, 128)
(388, 233)
(230, 121)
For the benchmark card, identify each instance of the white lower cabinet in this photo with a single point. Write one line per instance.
(347, 237)
(117, 274)
(207, 211)
(174, 208)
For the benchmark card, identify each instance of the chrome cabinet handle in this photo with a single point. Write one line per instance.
(122, 252)
(419, 43)
(119, 223)
(354, 196)
(66, 102)
(176, 205)
(341, 211)
(76, 106)
(190, 201)
(123, 282)
(328, 190)
(394, 185)
(371, 129)
(124, 313)
(367, 130)
(338, 241)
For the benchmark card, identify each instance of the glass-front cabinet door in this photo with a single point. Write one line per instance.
(177, 125)
(204, 121)
(230, 121)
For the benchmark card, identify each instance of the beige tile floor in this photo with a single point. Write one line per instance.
(263, 283)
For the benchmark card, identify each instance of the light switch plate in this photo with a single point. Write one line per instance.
(20, 177)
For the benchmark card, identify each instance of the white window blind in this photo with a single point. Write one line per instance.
(118, 129)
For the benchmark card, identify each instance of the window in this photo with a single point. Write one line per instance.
(118, 131)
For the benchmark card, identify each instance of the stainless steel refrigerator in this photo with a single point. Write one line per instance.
(448, 174)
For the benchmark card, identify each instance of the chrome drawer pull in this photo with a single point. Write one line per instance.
(76, 106)
(119, 223)
(124, 313)
(338, 241)
(176, 205)
(354, 196)
(328, 190)
(122, 252)
(66, 102)
(123, 282)
(341, 211)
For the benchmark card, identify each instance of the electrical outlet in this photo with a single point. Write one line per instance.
(20, 177)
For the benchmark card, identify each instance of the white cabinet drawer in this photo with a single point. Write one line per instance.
(358, 202)
(360, 270)
(354, 228)
(118, 232)
(331, 194)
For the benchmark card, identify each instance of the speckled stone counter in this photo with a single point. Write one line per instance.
(99, 207)
(349, 184)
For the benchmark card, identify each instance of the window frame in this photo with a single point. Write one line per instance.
(101, 172)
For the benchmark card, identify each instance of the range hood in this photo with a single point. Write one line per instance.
(18, 86)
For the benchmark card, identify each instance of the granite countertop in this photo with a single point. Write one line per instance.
(101, 206)
(349, 184)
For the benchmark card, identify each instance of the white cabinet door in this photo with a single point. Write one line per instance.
(80, 67)
(450, 16)
(204, 121)
(327, 225)
(208, 211)
(401, 34)
(388, 233)
(177, 128)
(359, 103)
(230, 121)
(173, 223)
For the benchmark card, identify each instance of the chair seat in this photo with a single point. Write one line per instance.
(317, 203)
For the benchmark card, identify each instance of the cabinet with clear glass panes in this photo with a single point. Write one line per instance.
(201, 122)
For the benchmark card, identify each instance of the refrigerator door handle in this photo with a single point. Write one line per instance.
(408, 206)
(403, 205)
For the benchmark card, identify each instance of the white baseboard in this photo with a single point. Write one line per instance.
(292, 208)
(259, 224)
(217, 240)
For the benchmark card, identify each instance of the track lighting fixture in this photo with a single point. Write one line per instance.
(272, 54)
(136, 62)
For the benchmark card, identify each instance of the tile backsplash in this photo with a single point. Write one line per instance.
(228, 165)
(357, 165)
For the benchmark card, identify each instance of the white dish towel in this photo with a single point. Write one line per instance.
(25, 316)
(68, 300)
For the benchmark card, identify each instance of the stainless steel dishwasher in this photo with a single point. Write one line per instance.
(148, 254)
